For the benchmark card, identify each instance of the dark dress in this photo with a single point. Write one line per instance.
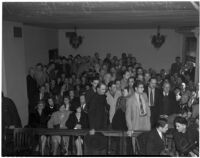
(74, 103)
(119, 124)
(37, 120)
(73, 121)
(50, 110)
(186, 142)
(119, 119)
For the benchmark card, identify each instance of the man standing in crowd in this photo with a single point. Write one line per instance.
(98, 110)
(176, 67)
(124, 81)
(154, 96)
(92, 91)
(112, 96)
(138, 111)
(168, 104)
(32, 90)
(98, 120)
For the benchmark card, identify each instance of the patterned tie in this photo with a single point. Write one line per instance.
(141, 105)
(151, 97)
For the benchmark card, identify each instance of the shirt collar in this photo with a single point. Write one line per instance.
(165, 94)
(160, 133)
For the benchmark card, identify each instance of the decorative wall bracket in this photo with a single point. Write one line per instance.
(75, 40)
(158, 39)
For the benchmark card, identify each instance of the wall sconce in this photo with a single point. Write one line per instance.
(158, 39)
(74, 39)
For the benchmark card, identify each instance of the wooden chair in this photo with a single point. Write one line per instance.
(23, 141)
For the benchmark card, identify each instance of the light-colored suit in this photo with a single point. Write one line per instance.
(133, 119)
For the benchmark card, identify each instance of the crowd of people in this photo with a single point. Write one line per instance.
(86, 92)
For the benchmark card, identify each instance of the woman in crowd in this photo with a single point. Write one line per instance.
(58, 120)
(78, 120)
(119, 119)
(186, 137)
(50, 107)
(38, 119)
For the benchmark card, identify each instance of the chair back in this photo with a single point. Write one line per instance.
(23, 139)
(141, 141)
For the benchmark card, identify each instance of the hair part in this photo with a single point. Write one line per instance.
(161, 122)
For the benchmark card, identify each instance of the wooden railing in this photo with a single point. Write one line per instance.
(23, 137)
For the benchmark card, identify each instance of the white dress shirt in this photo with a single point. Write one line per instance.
(149, 92)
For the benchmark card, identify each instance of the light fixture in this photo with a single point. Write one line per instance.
(158, 39)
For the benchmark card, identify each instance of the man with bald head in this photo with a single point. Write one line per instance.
(168, 104)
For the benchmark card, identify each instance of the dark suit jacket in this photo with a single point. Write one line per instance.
(38, 121)
(88, 96)
(32, 88)
(155, 110)
(185, 142)
(98, 112)
(171, 107)
(156, 97)
(32, 92)
(154, 143)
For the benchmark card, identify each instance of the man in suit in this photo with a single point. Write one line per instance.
(84, 107)
(168, 105)
(137, 111)
(98, 120)
(111, 96)
(156, 142)
(154, 96)
(92, 91)
(175, 67)
(32, 89)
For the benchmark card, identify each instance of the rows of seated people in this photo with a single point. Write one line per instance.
(85, 92)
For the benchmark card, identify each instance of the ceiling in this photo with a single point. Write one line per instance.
(98, 15)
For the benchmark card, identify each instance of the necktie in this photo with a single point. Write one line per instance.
(151, 97)
(163, 138)
(141, 106)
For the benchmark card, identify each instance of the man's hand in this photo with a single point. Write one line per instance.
(92, 132)
(129, 133)
(78, 126)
